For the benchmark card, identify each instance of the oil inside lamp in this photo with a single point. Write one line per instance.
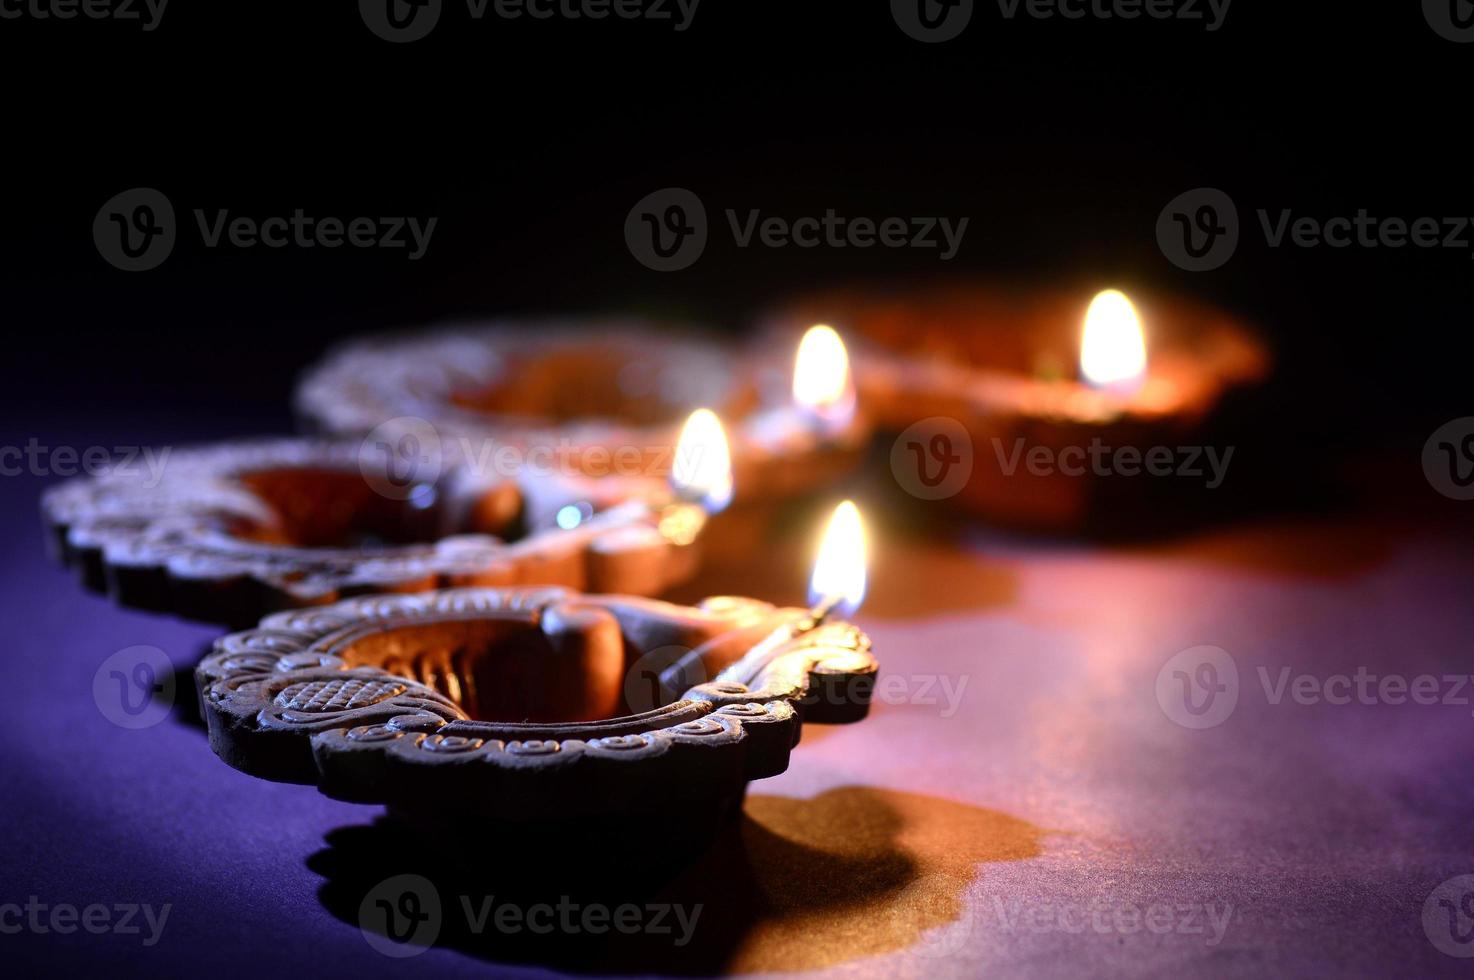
(1113, 345)
(822, 388)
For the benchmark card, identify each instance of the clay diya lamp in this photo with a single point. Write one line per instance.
(599, 397)
(236, 530)
(519, 705)
(1037, 381)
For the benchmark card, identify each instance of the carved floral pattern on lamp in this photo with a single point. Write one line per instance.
(235, 530)
(518, 704)
(587, 391)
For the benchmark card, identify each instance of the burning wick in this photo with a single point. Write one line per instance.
(1112, 345)
(700, 478)
(836, 586)
(702, 471)
(838, 581)
(700, 485)
(821, 379)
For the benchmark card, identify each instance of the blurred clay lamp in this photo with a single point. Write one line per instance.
(237, 530)
(1047, 371)
(589, 390)
(817, 436)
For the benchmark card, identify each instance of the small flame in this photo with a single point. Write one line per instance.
(839, 573)
(821, 376)
(1112, 346)
(702, 471)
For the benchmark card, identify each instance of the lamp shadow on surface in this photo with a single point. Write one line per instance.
(186, 707)
(789, 884)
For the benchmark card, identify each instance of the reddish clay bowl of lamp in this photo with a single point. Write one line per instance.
(528, 704)
(233, 531)
(601, 396)
(1042, 371)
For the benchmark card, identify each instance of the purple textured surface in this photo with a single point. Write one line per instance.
(1031, 831)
